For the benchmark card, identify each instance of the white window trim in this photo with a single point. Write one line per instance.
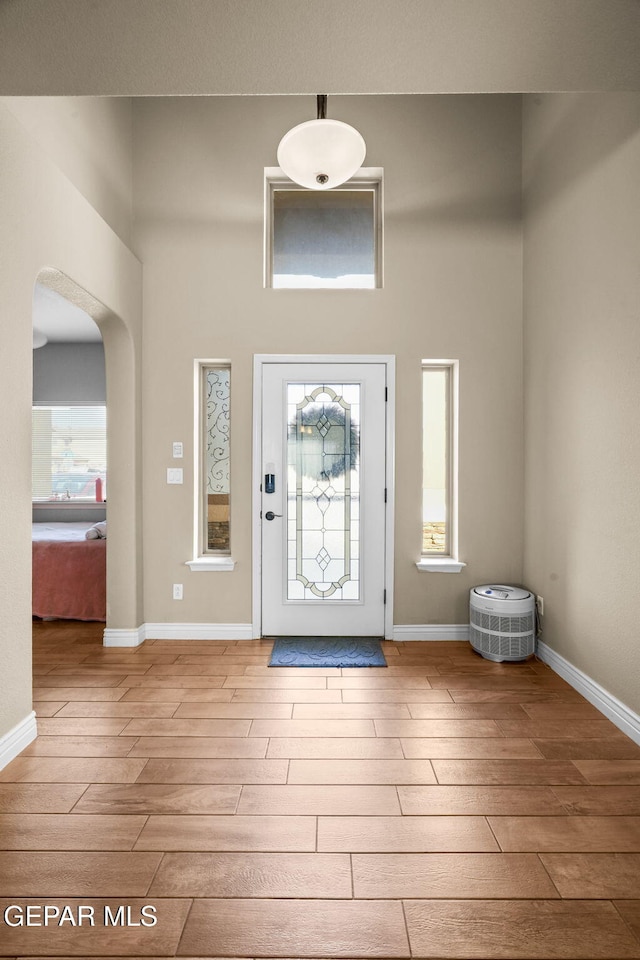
(442, 565)
(211, 564)
(449, 563)
(275, 177)
(203, 562)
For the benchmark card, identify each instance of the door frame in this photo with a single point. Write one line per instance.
(259, 361)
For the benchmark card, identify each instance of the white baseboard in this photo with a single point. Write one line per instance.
(244, 631)
(431, 631)
(16, 739)
(197, 631)
(176, 631)
(610, 706)
(122, 638)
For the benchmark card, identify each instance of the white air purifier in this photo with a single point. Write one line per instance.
(502, 622)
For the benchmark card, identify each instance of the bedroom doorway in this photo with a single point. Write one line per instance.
(323, 476)
(69, 461)
(120, 340)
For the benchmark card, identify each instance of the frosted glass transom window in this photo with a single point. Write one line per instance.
(324, 238)
(323, 491)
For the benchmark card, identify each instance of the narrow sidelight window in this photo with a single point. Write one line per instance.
(439, 455)
(215, 393)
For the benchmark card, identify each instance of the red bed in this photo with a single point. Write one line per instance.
(69, 572)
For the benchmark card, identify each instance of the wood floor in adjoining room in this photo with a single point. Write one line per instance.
(443, 807)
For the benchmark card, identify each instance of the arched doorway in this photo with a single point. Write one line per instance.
(69, 461)
(123, 608)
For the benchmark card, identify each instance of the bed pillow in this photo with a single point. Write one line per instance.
(98, 531)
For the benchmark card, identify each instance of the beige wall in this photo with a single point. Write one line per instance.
(48, 229)
(582, 347)
(453, 274)
(89, 139)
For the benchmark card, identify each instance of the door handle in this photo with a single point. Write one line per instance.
(270, 515)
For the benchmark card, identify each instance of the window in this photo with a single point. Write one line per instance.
(69, 453)
(217, 533)
(213, 508)
(323, 238)
(439, 388)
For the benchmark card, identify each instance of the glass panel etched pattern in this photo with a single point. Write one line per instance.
(217, 394)
(323, 491)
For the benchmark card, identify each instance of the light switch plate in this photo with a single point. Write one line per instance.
(174, 475)
(177, 449)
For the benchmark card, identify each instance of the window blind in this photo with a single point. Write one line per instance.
(69, 453)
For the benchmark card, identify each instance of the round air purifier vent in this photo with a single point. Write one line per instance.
(502, 622)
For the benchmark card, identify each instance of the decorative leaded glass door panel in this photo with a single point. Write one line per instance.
(323, 526)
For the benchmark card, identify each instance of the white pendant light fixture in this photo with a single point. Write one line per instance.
(321, 154)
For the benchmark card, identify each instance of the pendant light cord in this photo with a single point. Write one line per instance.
(322, 106)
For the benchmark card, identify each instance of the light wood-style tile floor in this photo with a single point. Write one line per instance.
(443, 807)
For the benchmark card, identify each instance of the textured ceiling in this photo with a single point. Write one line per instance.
(226, 47)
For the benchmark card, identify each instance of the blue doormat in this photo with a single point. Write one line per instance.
(327, 652)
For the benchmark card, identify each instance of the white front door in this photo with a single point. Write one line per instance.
(323, 526)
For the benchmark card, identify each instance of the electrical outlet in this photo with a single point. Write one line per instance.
(540, 605)
(177, 591)
(177, 448)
